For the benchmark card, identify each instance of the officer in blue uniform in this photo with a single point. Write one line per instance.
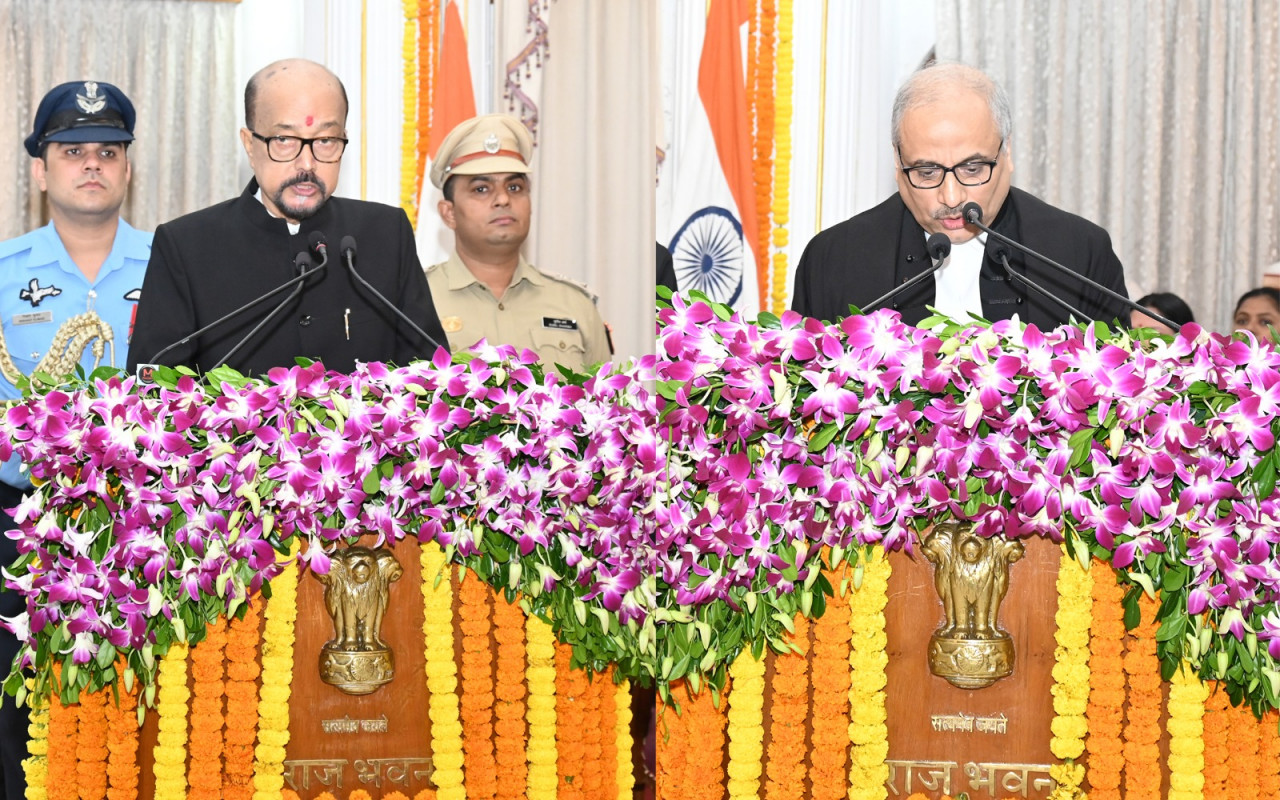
(83, 273)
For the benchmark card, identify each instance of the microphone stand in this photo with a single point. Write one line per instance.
(973, 215)
(303, 262)
(349, 254)
(939, 247)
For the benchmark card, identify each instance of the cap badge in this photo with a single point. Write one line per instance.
(491, 144)
(91, 102)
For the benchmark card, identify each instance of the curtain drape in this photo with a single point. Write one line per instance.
(593, 196)
(175, 59)
(1159, 120)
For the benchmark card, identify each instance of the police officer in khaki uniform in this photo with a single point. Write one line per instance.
(486, 290)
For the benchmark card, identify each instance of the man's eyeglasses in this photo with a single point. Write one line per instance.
(931, 176)
(327, 149)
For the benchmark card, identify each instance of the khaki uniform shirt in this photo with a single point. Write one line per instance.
(554, 317)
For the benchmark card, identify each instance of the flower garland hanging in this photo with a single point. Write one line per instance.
(277, 675)
(241, 727)
(409, 120)
(781, 205)
(1187, 694)
(705, 737)
(509, 726)
(36, 765)
(1216, 725)
(591, 775)
(764, 125)
(122, 740)
(624, 777)
(63, 728)
(428, 37)
(746, 725)
(91, 745)
(1146, 696)
(828, 757)
(784, 764)
(441, 673)
(204, 769)
(1106, 689)
(868, 732)
(171, 741)
(571, 756)
(540, 677)
(673, 747)
(1242, 763)
(1268, 755)
(477, 702)
(1070, 675)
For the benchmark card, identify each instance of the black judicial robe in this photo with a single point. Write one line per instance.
(205, 264)
(862, 258)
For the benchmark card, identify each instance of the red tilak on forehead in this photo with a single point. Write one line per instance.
(310, 119)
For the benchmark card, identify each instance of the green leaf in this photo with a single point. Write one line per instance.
(1081, 443)
(1132, 612)
(823, 437)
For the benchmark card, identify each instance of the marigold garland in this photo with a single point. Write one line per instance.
(1106, 687)
(36, 765)
(624, 773)
(868, 730)
(122, 742)
(746, 725)
(63, 727)
(1216, 725)
(509, 691)
(1187, 694)
(241, 730)
(540, 650)
(1070, 675)
(829, 750)
(204, 769)
(442, 673)
(673, 747)
(781, 207)
(592, 774)
(1242, 763)
(762, 110)
(171, 705)
(428, 36)
(702, 717)
(91, 745)
(1269, 755)
(477, 689)
(277, 675)
(785, 760)
(571, 692)
(1142, 719)
(409, 123)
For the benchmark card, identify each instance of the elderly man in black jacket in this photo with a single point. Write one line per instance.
(207, 264)
(951, 135)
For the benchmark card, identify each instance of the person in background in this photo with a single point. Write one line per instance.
(486, 290)
(1258, 311)
(80, 275)
(1167, 305)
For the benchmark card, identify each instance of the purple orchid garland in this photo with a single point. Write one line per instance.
(667, 514)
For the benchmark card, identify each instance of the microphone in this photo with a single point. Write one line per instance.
(144, 371)
(348, 249)
(319, 246)
(304, 264)
(939, 247)
(972, 213)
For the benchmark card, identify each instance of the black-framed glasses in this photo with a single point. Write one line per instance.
(969, 173)
(286, 148)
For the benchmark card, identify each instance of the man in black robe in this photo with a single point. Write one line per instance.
(208, 263)
(951, 133)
